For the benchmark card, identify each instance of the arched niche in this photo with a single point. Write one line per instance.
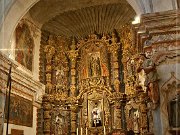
(169, 92)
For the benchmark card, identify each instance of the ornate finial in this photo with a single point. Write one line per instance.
(73, 46)
(104, 37)
(50, 41)
(114, 39)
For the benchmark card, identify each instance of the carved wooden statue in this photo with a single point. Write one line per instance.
(151, 80)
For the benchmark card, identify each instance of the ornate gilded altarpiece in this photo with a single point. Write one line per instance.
(83, 93)
(84, 85)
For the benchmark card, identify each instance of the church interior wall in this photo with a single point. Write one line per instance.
(10, 20)
(159, 38)
(165, 5)
(32, 76)
(25, 87)
(36, 34)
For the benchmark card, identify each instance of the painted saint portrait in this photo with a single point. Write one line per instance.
(24, 46)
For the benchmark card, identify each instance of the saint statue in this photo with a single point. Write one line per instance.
(136, 122)
(60, 80)
(58, 126)
(96, 118)
(95, 68)
(151, 80)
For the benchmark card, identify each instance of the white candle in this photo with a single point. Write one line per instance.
(104, 130)
(86, 131)
(77, 131)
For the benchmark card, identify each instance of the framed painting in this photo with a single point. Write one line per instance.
(21, 111)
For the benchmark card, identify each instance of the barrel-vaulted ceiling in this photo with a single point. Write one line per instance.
(81, 17)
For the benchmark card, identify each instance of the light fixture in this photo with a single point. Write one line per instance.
(136, 20)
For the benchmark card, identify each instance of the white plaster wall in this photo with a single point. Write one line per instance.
(151, 6)
(164, 72)
(36, 57)
(162, 5)
(135, 5)
(27, 130)
(4, 7)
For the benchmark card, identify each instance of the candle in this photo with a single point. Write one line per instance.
(81, 131)
(86, 131)
(77, 131)
(104, 130)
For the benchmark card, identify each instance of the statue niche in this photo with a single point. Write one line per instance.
(95, 112)
(174, 114)
(93, 60)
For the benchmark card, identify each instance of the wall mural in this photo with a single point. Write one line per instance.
(24, 46)
(21, 111)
